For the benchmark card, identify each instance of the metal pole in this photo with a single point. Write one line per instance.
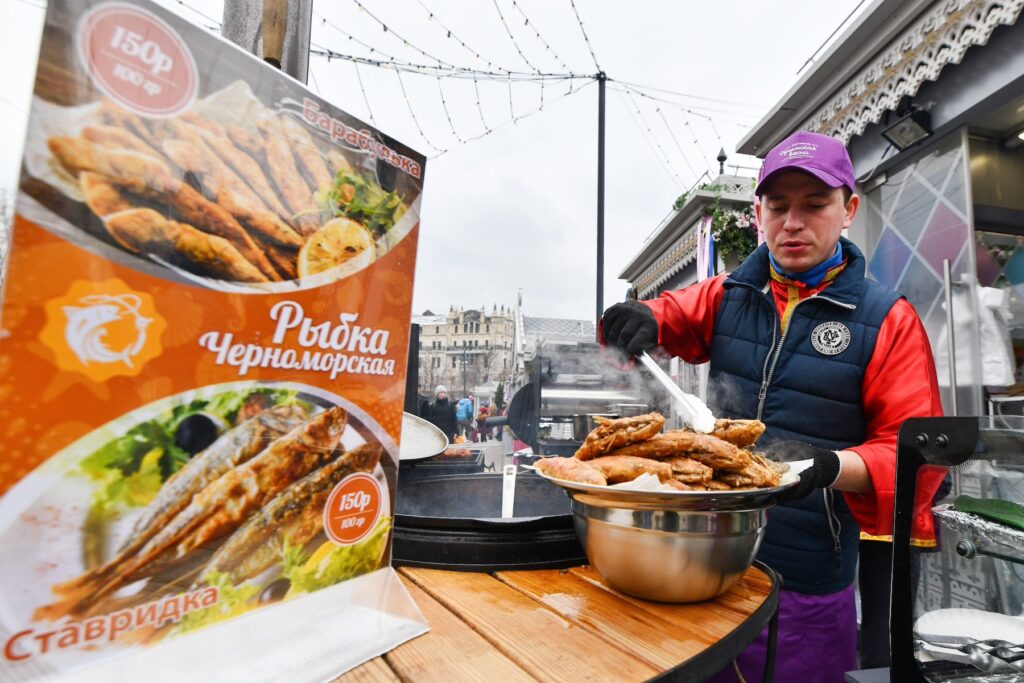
(243, 25)
(947, 281)
(601, 78)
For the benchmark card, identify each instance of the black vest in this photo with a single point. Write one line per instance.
(805, 385)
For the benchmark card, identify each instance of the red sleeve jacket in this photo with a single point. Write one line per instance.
(899, 383)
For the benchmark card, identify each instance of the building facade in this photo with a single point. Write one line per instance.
(465, 348)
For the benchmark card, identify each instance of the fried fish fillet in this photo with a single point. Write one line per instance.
(571, 469)
(688, 470)
(338, 162)
(249, 142)
(102, 196)
(296, 193)
(122, 118)
(248, 169)
(619, 468)
(716, 485)
(114, 137)
(147, 231)
(740, 433)
(307, 153)
(612, 434)
(705, 448)
(231, 191)
(757, 474)
(150, 177)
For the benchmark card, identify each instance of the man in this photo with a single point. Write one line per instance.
(832, 363)
(442, 413)
(464, 415)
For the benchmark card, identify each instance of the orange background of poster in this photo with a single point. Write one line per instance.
(43, 408)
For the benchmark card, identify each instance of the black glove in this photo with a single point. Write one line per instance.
(822, 474)
(630, 326)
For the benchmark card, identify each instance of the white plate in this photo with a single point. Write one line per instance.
(420, 439)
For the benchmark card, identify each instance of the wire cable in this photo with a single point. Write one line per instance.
(676, 141)
(359, 77)
(479, 108)
(547, 47)
(412, 113)
(668, 163)
(451, 34)
(444, 105)
(519, 118)
(512, 37)
(717, 100)
(584, 32)
(830, 36)
(404, 40)
(195, 11)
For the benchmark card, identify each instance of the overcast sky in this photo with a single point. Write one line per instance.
(516, 209)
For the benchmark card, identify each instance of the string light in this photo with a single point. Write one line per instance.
(584, 32)
(204, 16)
(520, 118)
(716, 100)
(366, 99)
(451, 71)
(685, 108)
(647, 125)
(676, 141)
(404, 41)
(547, 47)
(513, 38)
(479, 108)
(451, 34)
(412, 113)
(444, 105)
(672, 176)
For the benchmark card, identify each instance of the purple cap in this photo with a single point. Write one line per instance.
(822, 156)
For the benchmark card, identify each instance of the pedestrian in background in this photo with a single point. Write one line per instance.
(442, 413)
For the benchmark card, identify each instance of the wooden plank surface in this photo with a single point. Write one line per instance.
(374, 671)
(664, 636)
(729, 610)
(451, 651)
(547, 645)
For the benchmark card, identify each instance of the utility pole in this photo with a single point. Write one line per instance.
(276, 31)
(601, 78)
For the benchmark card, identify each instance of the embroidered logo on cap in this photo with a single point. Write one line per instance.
(798, 150)
(831, 338)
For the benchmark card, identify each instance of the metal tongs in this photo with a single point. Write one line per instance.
(694, 412)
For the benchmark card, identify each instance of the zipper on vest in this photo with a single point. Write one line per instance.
(835, 527)
(767, 372)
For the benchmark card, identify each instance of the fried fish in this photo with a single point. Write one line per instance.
(612, 434)
(571, 469)
(621, 468)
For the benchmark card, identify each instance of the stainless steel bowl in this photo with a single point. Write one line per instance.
(667, 555)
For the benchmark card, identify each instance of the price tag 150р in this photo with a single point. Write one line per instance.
(352, 509)
(137, 60)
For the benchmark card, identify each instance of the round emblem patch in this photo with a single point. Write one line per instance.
(831, 338)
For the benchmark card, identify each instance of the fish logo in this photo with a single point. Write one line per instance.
(86, 330)
(103, 329)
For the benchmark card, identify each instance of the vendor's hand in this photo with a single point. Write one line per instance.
(822, 474)
(630, 326)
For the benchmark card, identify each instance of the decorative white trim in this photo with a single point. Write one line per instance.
(940, 36)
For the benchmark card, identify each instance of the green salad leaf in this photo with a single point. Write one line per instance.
(355, 197)
(341, 563)
(131, 468)
(233, 601)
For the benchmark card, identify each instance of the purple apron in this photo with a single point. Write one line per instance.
(817, 641)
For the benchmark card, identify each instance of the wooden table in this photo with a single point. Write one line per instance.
(567, 625)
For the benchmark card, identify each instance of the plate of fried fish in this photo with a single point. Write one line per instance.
(681, 463)
(222, 486)
(232, 194)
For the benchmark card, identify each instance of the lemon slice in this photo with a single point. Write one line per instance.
(340, 241)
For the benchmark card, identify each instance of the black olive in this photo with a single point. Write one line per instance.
(275, 591)
(195, 433)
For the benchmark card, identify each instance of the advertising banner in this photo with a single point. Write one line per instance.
(203, 346)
